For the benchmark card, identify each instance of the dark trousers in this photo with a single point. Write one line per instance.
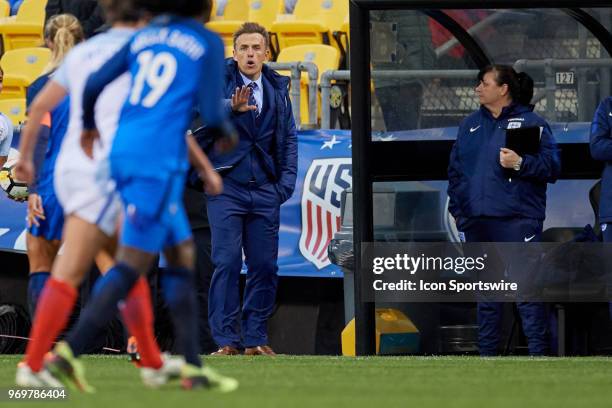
(533, 315)
(204, 269)
(243, 217)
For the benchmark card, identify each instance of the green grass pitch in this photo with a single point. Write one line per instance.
(374, 382)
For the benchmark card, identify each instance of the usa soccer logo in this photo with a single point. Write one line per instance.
(325, 181)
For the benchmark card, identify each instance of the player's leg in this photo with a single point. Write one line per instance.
(41, 253)
(43, 242)
(179, 291)
(81, 241)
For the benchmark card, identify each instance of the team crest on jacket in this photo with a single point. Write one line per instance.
(325, 181)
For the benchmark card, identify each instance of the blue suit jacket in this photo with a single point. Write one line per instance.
(282, 162)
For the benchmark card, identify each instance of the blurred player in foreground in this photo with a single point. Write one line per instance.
(45, 217)
(174, 62)
(90, 204)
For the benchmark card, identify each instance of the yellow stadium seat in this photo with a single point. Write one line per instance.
(21, 67)
(26, 29)
(234, 10)
(225, 29)
(229, 51)
(15, 109)
(265, 12)
(313, 23)
(5, 8)
(325, 57)
(213, 10)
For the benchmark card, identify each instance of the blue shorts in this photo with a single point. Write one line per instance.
(51, 227)
(154, 215)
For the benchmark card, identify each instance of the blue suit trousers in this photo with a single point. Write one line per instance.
(243, 218)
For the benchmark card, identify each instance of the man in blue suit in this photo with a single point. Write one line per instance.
(258, 175)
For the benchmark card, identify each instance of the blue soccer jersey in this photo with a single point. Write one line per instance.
(175, 64)
(58, 124)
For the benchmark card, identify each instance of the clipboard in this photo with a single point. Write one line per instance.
(524, 140)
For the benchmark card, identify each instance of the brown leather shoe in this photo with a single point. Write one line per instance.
(226, 351)
(259, 351)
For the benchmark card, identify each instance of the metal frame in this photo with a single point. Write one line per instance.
(412, 160)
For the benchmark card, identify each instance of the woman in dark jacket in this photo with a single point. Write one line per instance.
(495, 194)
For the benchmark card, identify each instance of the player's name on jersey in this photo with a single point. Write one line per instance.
(182, 41)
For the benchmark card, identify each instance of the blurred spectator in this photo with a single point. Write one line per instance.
(88, 12)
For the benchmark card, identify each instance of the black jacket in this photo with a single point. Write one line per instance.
(89, 13)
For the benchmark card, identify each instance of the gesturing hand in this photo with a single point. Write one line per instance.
(240, 100)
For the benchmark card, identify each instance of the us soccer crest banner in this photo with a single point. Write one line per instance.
(309, 219)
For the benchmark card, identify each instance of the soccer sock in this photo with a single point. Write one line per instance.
(102, 307)
(54, 308)
(137, 313)
(179, 292)
(36, 283)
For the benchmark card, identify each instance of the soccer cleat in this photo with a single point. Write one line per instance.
(205, 377)
(62, 364)
(25, 377)
(132, 350)
(170, 370)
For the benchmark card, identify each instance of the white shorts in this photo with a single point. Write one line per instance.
(84, 188)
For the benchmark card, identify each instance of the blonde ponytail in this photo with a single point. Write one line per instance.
(63, 31)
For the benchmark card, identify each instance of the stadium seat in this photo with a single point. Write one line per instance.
(325, 57)
(237, 10)
(229, 51)
(313, 22)
(21, 68)
(265, 12)
(225, 29)
(5, 8)
(26, 28)
(15, 109)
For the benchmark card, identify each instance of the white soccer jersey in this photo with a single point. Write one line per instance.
(83, 186)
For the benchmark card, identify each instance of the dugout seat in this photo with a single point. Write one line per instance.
(21, 67)
(313, 22)
(26, 28)
(325, 57)
(15, 109)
